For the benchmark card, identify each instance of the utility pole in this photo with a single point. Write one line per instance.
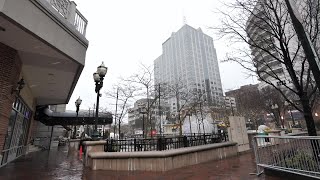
(94, 106)
(115, 116)
(160, 112)
(232, 109)
(119, 119)
(88, 122)
(202, 118)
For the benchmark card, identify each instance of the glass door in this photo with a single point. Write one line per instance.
(16, 136)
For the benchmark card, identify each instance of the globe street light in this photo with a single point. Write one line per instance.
(142, 110)
(77, 103)
(98, 79)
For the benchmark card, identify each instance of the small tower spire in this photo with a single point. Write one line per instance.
(184, 19)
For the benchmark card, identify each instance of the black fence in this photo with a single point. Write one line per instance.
(162, 143)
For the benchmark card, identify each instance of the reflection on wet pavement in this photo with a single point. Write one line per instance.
(60, 164)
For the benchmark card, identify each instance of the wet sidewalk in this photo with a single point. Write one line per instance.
(61, 164)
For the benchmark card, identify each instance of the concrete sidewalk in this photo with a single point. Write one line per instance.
(64, 165)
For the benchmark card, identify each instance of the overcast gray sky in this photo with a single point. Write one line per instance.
(123, 33)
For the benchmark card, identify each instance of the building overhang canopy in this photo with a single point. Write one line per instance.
(50, 118)
(50, 48)
(50, 74)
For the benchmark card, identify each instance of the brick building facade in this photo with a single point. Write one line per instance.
(10, 68)
(45, 49)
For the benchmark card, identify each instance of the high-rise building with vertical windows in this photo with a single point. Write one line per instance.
(189, 57)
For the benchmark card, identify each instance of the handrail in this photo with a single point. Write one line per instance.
(81, 15)
(287, 137)
(80, 22)
(293, 154)
(67, 9)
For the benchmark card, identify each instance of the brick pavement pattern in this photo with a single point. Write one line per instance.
(64, 165)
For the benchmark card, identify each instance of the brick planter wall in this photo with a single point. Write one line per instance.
(10, 69)
(160, 160)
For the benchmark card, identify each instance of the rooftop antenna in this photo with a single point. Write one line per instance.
(184, 20)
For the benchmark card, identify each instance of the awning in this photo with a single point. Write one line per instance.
(50, 118)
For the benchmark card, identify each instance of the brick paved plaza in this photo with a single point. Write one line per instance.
(61, 164)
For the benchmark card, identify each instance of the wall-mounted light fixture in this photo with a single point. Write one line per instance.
(20, 86)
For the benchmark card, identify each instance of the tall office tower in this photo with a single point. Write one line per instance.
(189, 57)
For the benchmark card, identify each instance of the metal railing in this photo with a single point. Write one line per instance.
(162, 143)
(80, 22)
(293, 154)
(67, 10)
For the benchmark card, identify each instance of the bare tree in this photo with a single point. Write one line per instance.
(274, 104)
(186, 99)
(122, 93)
(250, 105)
(274, 43)
(144, 81)
(218, 113)
(160, 95)
(198, 106)
(182, 96)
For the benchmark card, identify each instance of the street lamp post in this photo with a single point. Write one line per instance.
(292, 118)
(98, 79)
(77, 103)
(202, 117)
(198, 122)
(189, 114)
(231, 104)
(289, 107)
(276, 107)
(143, 111)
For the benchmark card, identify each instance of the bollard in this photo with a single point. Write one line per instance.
(159, 144)
(185, 141)
(112, 146)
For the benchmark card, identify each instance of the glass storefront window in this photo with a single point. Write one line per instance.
(17, 132)
(27, 114)
(21, 107)
(18, 104)
(10, 129)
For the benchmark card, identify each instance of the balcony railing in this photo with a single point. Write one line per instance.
(68, 10)
(80, 23)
